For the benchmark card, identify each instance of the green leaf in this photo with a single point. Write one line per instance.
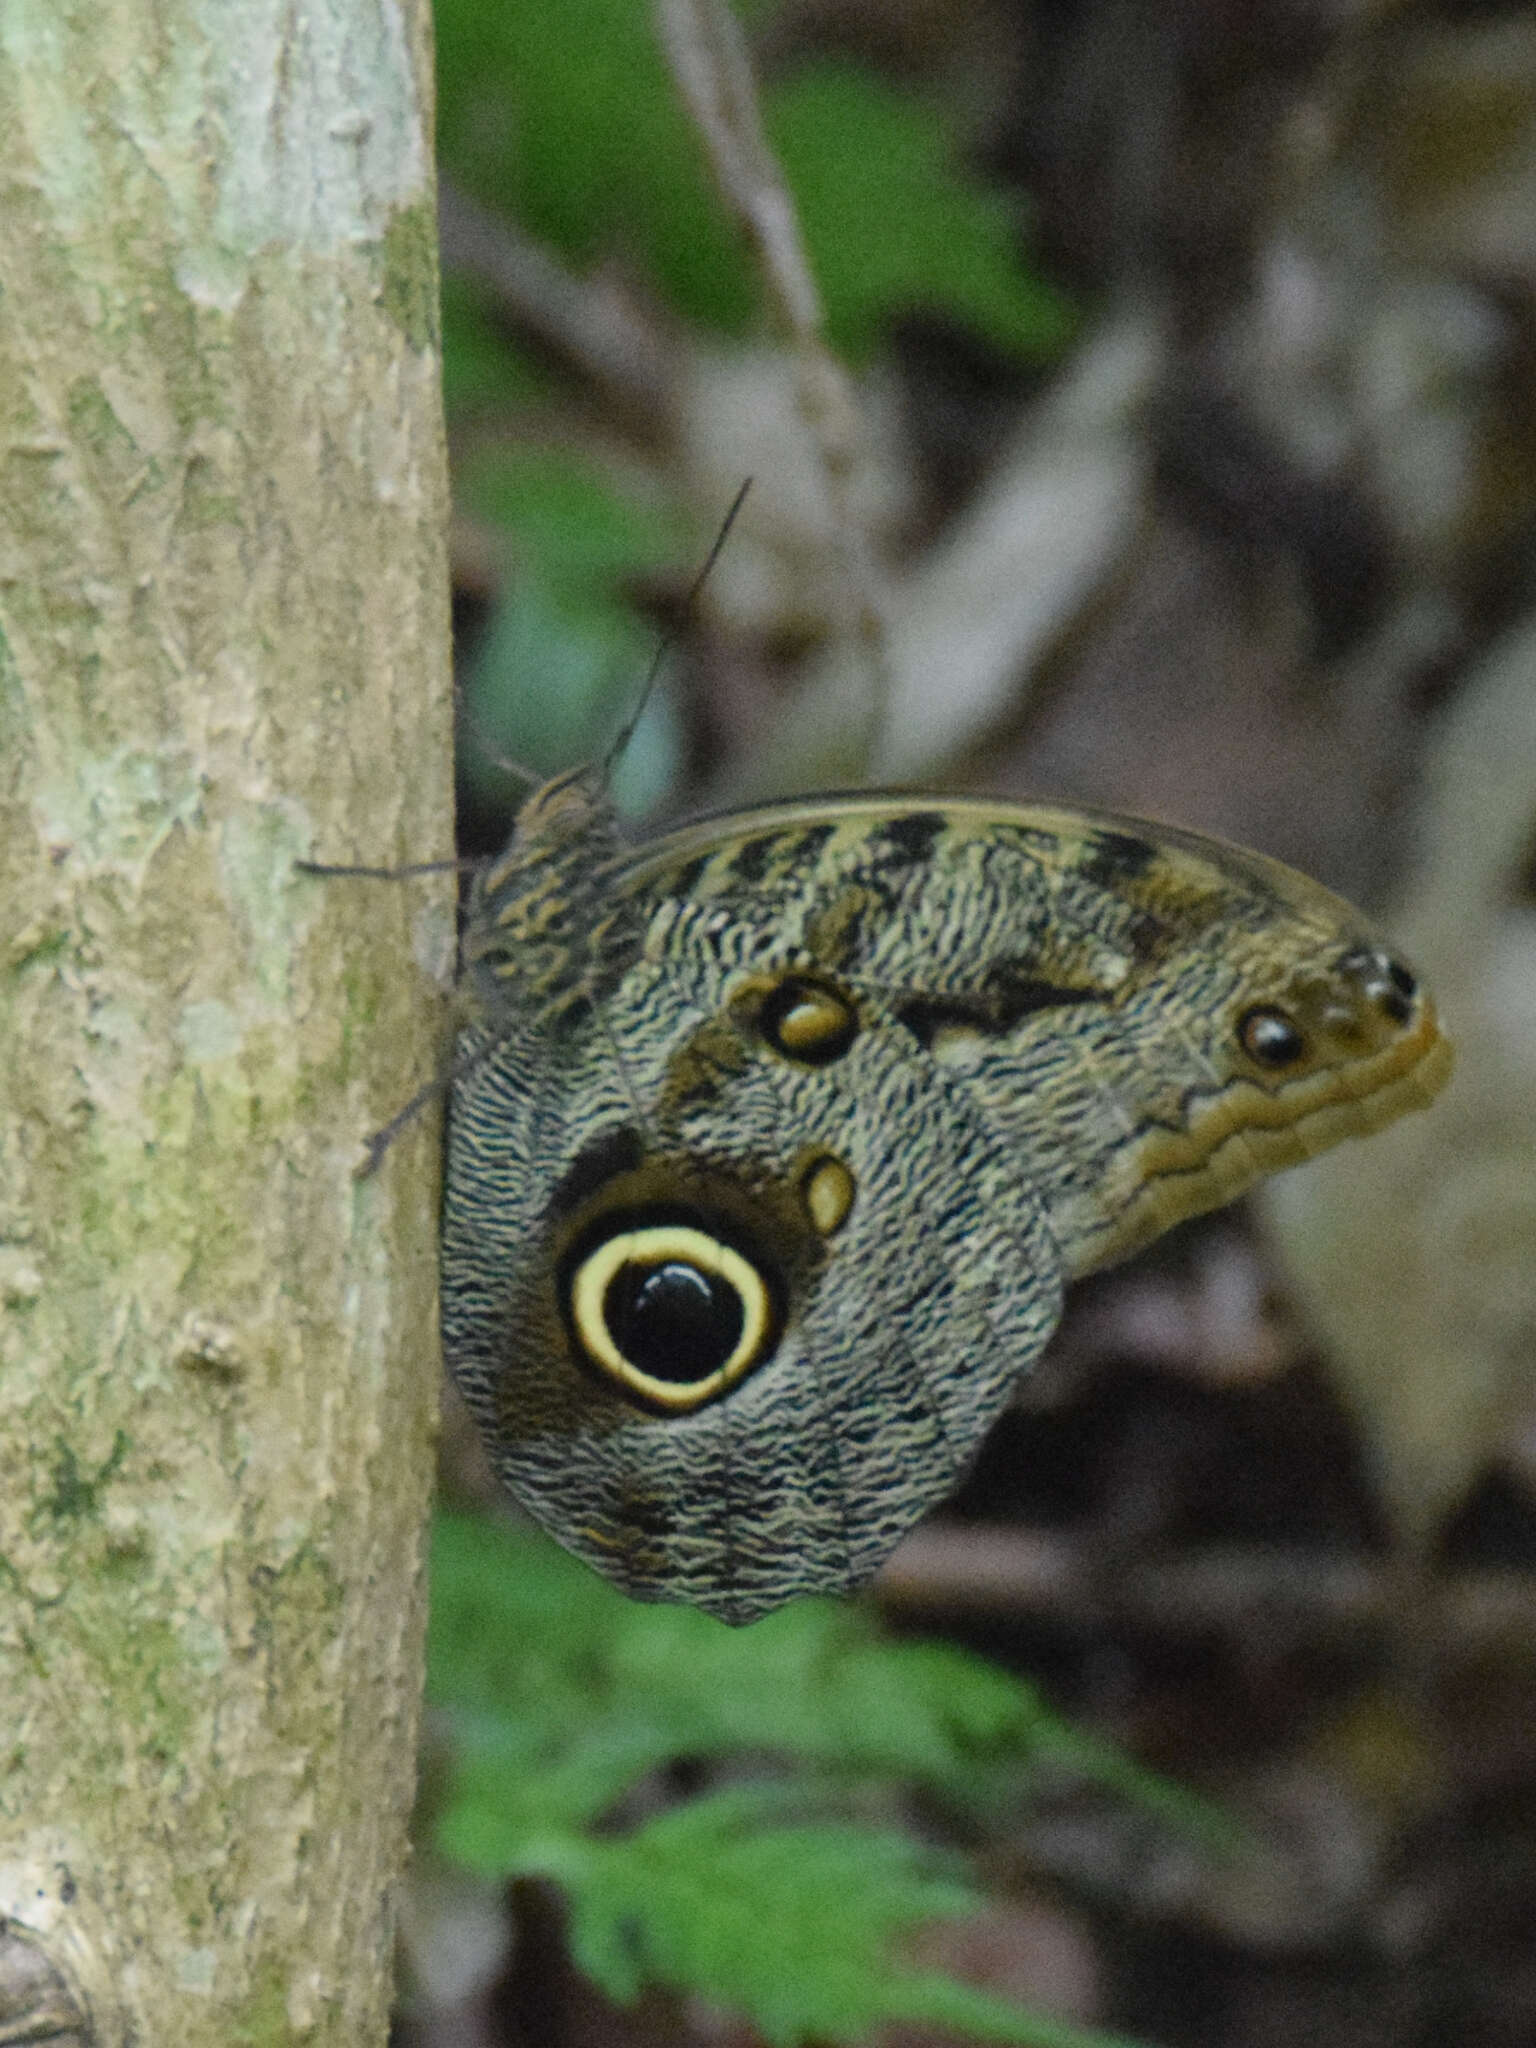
(522, 1635)
(564, 1696)
(548, 680)
(565, 516)
(892, 223)
(792, 1924)
(557, 1678)
(797, 1925)
(566, 118)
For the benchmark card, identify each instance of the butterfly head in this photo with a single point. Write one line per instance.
(534, 926)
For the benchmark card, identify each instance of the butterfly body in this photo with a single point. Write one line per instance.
(777, 1137)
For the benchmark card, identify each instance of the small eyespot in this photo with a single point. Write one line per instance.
(808, 1022)
(671, 1314)
(1383, 981)
(1269, 1038)
(827, 1188)
(1395, 998)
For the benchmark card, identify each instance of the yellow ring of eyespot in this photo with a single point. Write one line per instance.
(656, 1245)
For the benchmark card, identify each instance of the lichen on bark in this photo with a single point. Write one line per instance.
(223, 646)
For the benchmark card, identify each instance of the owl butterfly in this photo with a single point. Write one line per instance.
(775, 1138)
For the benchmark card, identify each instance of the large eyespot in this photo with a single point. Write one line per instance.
(671, 1313)
(808, 1021)
(1270, 1038)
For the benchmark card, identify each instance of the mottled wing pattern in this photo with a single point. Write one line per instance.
(899, 1339)
(1087, 978)
(1013, 1043)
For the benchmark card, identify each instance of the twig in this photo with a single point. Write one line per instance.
(708, 56)
(710, 63)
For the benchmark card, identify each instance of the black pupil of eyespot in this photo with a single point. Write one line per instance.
(1270, 1038)
(673, 1321)
(1402, 980)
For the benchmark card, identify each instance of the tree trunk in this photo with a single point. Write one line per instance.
(223, 646)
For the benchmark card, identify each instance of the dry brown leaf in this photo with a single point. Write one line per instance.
(1414, 1257)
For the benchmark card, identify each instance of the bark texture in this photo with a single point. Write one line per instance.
(223, 646)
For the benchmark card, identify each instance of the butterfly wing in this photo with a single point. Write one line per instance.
(905, 1286)
(1150, 1019)
(759, 1202)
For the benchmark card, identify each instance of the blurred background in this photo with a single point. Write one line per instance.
(1140, 402)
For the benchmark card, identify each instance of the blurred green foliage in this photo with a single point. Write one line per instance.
(774, 1898)
(892, 222)
(565, 119)
(562, 656)
(482, 370)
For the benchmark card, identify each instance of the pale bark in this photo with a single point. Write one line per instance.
(223, 645)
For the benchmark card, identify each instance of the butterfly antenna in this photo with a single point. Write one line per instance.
(668, 639)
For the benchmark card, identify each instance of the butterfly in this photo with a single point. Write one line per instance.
(775, 1139)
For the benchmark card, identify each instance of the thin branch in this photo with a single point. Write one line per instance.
(709, 60)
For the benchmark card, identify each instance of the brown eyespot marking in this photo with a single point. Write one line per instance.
(1368, 999)
(807, 1021)
(668, 1311)
(1270, 1038)
(827, 1188)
